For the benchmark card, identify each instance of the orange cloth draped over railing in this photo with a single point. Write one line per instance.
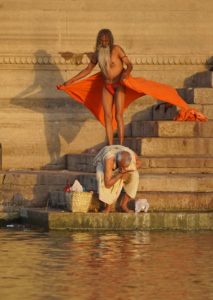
(89, 93)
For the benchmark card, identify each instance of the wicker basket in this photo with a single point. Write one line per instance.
(79, 201)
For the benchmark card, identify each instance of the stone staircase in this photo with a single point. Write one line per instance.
(177, 157)
(177, 169)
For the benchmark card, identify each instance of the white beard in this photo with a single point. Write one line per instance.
(104, 59)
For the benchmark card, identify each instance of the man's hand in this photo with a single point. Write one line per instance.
(124, 75)
(67, 55)
(124, 171)
(59, 86)
(66, 83)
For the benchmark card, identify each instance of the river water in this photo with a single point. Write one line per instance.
(105, 265)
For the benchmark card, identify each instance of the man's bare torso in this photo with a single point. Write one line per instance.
(115, 67)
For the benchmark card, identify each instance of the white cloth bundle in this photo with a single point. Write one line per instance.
(141, 205)
(76, 187)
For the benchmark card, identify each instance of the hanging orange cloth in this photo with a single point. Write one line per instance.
(89, 93)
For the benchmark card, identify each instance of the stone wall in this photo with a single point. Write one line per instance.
(167, 41)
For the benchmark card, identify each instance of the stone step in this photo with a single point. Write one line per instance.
(172, 129)
(177, 201)
(164, 113)
(200, 95)
(165, 146)
(201, 79)
(176, 165)
(0, 156)
(31, 188)
(80, 163)
(84, 163)
(197, 147)
(193, 183)
(158, 201)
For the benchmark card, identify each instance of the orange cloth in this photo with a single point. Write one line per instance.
(89, 93)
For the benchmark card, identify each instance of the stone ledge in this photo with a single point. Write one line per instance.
(83, 58)
(60, 220)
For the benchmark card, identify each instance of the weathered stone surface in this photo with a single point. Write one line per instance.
(57, 129)
(176, 170)
(164, 113)
(33, 189)
(84, 163)
(172, 129)
(200, 95)
(53, 136)
(178, 201)
(56, 220)
(177, 147)
(176, 183)
(6, 217)
(65, 27)
(0, 157)
(80, 162)
(169, 114)
(208, 111)
(31, 67)
(200, 79)
(176, 162)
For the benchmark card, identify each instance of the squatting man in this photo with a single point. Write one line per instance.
(116, 168)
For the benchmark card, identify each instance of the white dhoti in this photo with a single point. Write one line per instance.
(110, 195)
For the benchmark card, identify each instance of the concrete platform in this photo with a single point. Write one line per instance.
(59, 220)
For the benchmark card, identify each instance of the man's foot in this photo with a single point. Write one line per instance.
(108, 208)
(125, 209)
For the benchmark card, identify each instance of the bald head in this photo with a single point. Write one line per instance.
(123, 159)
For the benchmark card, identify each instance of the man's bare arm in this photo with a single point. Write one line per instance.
(82, 74)
(126, 62)
(109, 178)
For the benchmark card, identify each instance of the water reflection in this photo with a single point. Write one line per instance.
(97, 265)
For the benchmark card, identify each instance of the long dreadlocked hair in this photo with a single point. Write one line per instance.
(101, 33)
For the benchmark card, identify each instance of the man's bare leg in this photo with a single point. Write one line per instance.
(107, 101)
(119, 110)
(124, 203)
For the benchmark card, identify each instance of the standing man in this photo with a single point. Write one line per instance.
(116, 168)
(109, 92)
(111, 59)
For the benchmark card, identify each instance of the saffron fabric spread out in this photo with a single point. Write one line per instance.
(89, 93)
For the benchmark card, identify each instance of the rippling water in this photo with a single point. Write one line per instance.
(102, 265)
